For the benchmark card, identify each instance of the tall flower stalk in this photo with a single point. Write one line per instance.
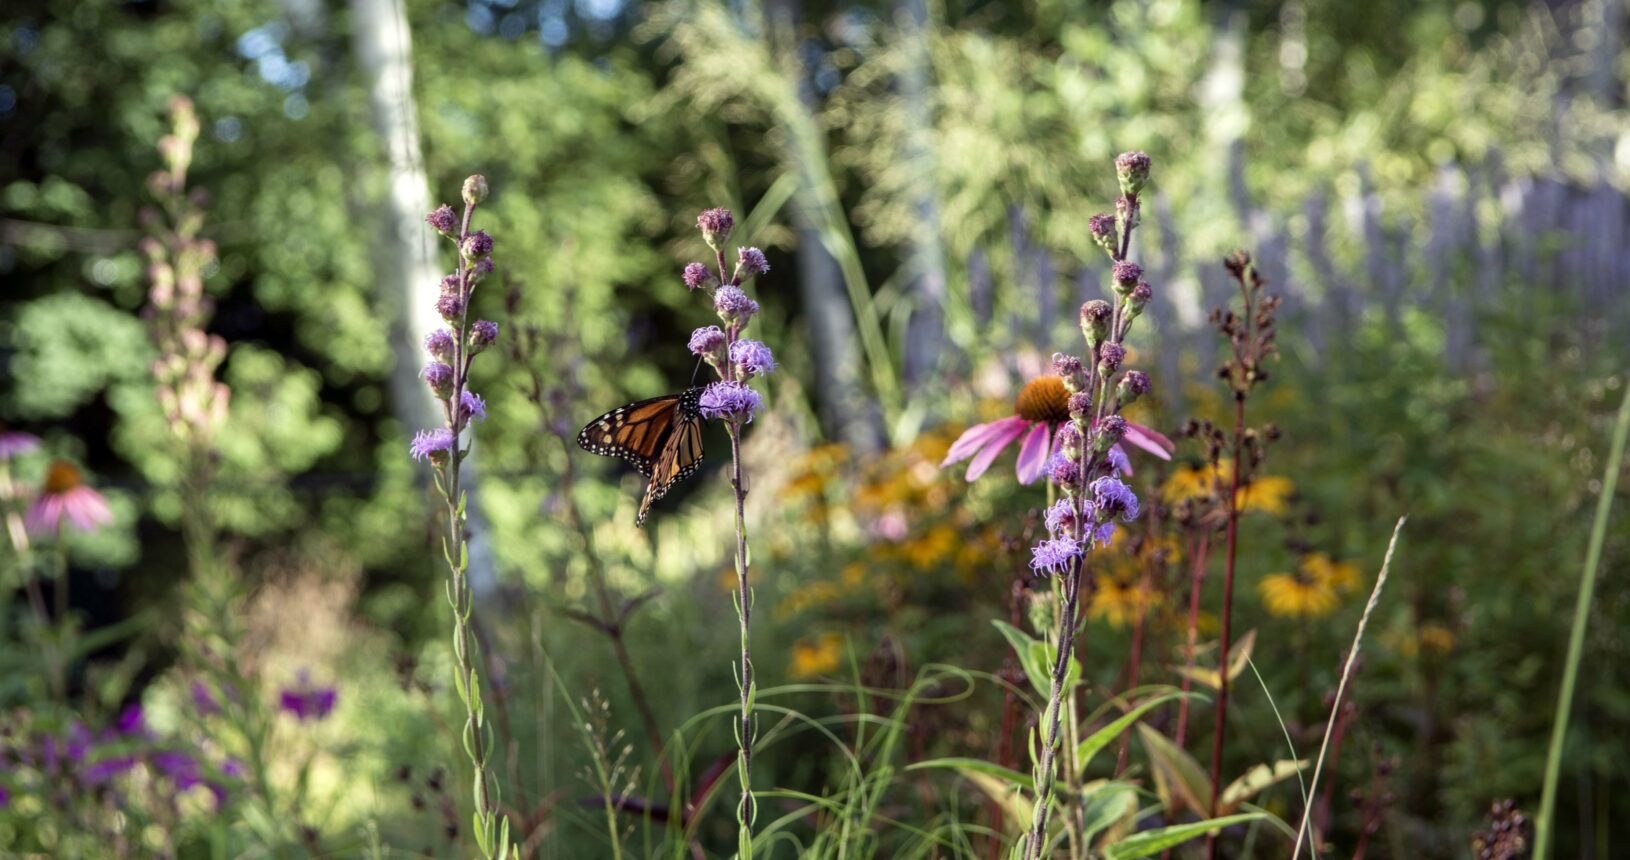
(1250, 336)
(733, 400)
(451, 351)
(1084, 467)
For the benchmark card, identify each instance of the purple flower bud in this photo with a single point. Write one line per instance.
(444, 220)
(698, 276)
(1110, 356)
(715, 225)
(1133, 385)
(477, 245)
(1104, 232)
(439, 344)
(433, 445)
(481, 270)
(752, 358)
(451, 307)
(707, 341)
(450, 284)
(471, 406)
(1118, 463)
(1138, 299)
(1069, 369)
(1067, 474)
(439, 377)
(1080, 404)
(1109, 432)
(1069, 439)
(1060, 518)
(483, 333)
(1132, 169)
(1127, 273)
(731, 401)
(475, 189)
(750, 262)
(733, 305)
(1112, 498)
(1054, 556)
(1095, 317)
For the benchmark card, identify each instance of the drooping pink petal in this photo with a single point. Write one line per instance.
(1011, 429)
(44, 515)
(975, 438)
(1149, 440)
(1033, 454)
(86, 509)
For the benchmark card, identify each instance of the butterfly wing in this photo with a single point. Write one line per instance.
(680, 459)
(636, 432)
(661, 437)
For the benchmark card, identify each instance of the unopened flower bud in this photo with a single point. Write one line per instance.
(1110, 356)
(698, 276)
(1095, 318)
(475, 190)
(451, 307)
(1069, 369)
(715, 225)
(444, 220)
(439, 377)
(1102, 227)
(439, 344)
(1066, 473)
(1109, 432)
(1138, 299)
(1080, 405)
(482, 335)
(477, 245)
(1126, 274)
(1132, 169)
(1133, 385)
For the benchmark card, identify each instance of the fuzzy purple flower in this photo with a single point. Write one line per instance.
(433, 445)
(1118, 460)
(1095, 319)
(1060, 518)
(483, 333)
(307, 702)
(1102, 226)
(444, 220)
(439, 344)
(752, 358)
(706, 341)
(1132, 169)
(733, 305)
(698, 275)
(1069, 369)
(1069, 439)
(451, 306)
(1110, 356)
(1054, 555)
(1113, 498)
(1133, 385)
(203, 701)
(472, 407)
(1127, 273)
(1066, 473)
(132, 720)
(750, 262)
(731, 401)
(1080, 404)
(477, 245)
(439, 377)
(13, 443)
(715, 225)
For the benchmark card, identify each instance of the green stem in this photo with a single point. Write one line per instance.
(1576, 638)
(747, 810)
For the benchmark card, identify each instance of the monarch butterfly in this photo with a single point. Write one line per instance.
(662, 437)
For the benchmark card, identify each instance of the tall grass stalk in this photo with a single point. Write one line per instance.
(1341, 688)
(1576, 638)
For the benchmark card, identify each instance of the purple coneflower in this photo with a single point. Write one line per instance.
(66, 496)
(1041, 408)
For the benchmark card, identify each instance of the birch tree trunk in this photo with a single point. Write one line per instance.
(407, 261)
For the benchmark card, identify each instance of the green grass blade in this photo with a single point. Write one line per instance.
(1576, 638)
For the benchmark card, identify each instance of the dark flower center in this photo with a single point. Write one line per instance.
(1044, 399)
(62, 477)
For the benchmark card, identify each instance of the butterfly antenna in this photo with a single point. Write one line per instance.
(695, 370)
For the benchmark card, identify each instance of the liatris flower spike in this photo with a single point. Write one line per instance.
(452, 351)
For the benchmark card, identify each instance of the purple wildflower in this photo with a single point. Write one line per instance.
(203, 700)
(1132, 169)
(1066, 473)
(1118, 460)
(439, 377)
(1069, 369)
(1110, 356)
(66, 497)
(1080, 404)
(733, 305)
(439, 344)
(1060, 518)
(698, 275)
(1054, 555)
(13, 443)
(1141, 294)
(477, 245)
(731, 401)
(750, 262)
(307, 702)
(752, 358)
(1133, 385)
(1111, 431)
(131, 720)
(483, 333)
(1095, 317)
(444, 220)
(181, 768)
(715, 225)
(1102, 226)
(451, 306)
(433, 445)
(706, 340)
(1113, 498)
(1127, 273)
(1069, 438)
(472, 406)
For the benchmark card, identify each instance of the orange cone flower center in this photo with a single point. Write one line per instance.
(62, 477)
(1044, 399)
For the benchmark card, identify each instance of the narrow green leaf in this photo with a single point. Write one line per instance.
(975, 765)
(1179, 779)
(1039, 675)
(1104, 736)
(1104, 805)
(1155, 841)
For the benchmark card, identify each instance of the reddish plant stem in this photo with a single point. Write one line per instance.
(1227, 618)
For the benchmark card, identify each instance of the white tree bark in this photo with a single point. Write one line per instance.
(408, 265)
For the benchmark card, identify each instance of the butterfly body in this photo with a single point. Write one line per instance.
(661, 437)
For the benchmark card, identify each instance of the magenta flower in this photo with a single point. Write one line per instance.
(307, 702)
(1041, 408)
(65, 496)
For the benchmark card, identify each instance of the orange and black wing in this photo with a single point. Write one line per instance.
(636, 432)
(661, 437)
